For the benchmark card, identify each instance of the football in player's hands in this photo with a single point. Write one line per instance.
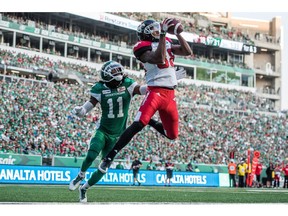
(176, 28)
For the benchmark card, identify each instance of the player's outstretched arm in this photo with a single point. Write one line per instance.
(140, 90)
(183, 49)
(81, 111)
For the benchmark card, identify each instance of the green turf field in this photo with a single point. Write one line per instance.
(142, 194)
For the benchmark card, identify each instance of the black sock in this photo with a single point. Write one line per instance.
(125, 138)
(158, 126)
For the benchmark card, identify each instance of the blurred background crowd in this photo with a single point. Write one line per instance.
(35, 118)
(35, 115)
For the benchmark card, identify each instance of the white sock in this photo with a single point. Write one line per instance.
(81, 174)
(86, 186)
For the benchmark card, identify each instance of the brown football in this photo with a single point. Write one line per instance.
(177, 28)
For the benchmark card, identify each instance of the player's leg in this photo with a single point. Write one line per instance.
(95, 177)
(108, 146)
(96, 144)
(134, 177)
(82, 195)
(278, 183)
(234, 180)
(147, 109)
(241, 181)
(123, 140)
(107, 143)
(161, 99)
(170, 177)
(170, 119)
(158, 126)
(137, 173)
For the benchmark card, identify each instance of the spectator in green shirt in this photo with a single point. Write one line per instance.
(119, 165)
(151, 166)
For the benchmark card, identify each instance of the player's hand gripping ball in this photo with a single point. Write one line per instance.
(174, 26)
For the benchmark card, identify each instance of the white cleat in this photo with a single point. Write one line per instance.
(82, 195)
(74, 184)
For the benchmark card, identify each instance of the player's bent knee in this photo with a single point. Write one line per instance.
(138, 125)
(173, 136)
(91, 156)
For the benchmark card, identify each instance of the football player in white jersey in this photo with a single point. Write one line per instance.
(156, 52)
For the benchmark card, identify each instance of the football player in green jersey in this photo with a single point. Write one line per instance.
(114, 93)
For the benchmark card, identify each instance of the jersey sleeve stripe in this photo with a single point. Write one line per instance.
(141, 50)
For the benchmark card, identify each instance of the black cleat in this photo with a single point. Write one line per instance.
(104, 165)
(82, 195)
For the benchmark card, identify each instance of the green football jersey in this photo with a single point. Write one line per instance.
(114, 105)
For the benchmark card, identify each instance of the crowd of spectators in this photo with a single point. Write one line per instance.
(218, 61)
(201, 25)
(36, 119)
(216, 97)
(76, 31)
(198, 24)
(39, 63)
(193, 22)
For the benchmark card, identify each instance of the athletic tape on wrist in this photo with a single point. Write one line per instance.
(143, 89)
(88, 106)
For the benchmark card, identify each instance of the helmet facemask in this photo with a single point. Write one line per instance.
(153, 29)
(112, 73)
(149, 30)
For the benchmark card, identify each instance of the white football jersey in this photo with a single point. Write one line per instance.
(159, 74)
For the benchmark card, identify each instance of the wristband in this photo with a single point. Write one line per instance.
(88, 106)
(143, 89)
(163, 33)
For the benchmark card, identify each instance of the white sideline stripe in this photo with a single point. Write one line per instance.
(112, 203)
(153, 188)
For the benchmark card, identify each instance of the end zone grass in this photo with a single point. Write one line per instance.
(142, 194)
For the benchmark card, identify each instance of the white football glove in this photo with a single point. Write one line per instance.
(180, 73)
(79, 111)
(166, 24)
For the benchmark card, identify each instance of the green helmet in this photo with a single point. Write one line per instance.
(112, 70)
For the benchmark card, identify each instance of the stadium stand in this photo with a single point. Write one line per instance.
(35, 113)
(38, 121)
